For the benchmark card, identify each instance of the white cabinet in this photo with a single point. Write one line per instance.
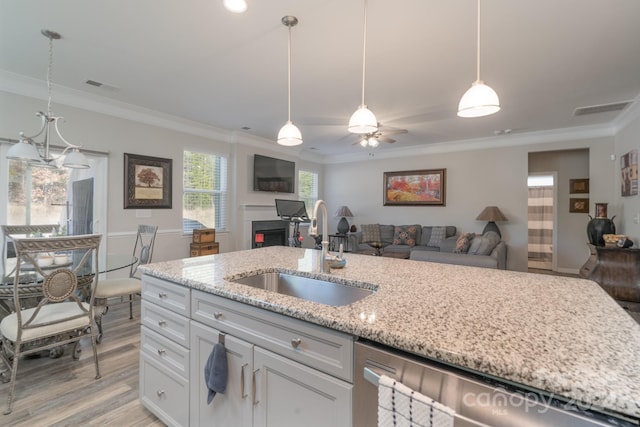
(282, 371)
(264, 389)
(164, 351)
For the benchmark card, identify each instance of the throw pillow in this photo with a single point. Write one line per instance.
(370, 233)
(463, 243)
(405, 235)
(437, 235)
(386, 233)
(483, 245)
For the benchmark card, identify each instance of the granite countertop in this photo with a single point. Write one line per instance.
(561, 335)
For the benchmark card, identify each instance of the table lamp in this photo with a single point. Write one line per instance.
(343, 225)
(491, 214)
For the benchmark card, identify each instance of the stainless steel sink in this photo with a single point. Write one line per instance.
(321, 291)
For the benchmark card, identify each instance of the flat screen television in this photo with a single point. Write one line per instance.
(274, 175)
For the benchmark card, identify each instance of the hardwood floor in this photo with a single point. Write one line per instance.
(64, 392)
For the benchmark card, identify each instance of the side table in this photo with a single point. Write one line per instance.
(617, 270)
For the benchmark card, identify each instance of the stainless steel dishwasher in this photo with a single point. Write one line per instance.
(476, 400)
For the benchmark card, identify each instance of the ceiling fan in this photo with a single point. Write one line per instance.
(373, 139)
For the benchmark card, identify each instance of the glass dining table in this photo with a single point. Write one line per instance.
(111, 262)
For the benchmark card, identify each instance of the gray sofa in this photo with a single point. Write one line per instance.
(421, 243)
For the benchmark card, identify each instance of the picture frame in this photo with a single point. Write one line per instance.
(579, 205)
(426, 187)
(579, 186)
(147, 182)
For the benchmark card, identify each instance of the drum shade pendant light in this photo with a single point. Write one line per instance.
(289, 134)
(27, 149)
(480, 100)
(363, 120)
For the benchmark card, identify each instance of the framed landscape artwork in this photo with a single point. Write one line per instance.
(147, 182)
(415, 188)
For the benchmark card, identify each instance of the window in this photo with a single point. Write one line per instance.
(308, 189)
(204, 199)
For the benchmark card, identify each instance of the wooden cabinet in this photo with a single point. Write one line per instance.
(617, 270)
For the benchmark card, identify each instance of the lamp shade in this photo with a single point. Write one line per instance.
(344, 211)
(76, 160)
(363, 121)
(480, 100)
(289, 135)
(23, 151)
(491, 213)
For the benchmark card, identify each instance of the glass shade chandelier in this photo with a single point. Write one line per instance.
(29, 150)
(480, 100)
(363, 120)
(289, 134)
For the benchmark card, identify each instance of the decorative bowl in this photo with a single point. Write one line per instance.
(60, 259)
(44, 260)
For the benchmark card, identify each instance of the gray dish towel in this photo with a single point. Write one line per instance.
(216, 371)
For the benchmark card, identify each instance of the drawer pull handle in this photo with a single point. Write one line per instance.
(242, 393)
(295, 342)
(253, 387)
(162, 323)
(217, 314)
(161, 351)
(160, 393)
(162, 295)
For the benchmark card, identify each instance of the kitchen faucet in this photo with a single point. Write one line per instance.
(313, 231)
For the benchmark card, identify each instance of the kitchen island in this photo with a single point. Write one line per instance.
(563, 336)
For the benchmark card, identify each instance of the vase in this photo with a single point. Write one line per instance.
(600, 225)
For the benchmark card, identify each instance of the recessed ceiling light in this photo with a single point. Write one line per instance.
(235, 6)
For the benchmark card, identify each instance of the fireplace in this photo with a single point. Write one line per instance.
(276, 232)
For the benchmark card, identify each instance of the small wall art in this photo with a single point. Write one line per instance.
(579, 205)
(629, 174)
(147, 182)
(579, 186)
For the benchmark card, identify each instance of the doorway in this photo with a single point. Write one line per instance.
(541, 224)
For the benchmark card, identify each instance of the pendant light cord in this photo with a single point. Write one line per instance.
(364, 49)
(478, 47)
(49, 67)
(289, 75)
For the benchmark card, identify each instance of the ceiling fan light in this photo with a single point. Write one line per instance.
(23, 151)
(480, 100)
(76, 160)
(235, 6)
(363, 121)
(364, 142)
(289, 135)
(373, 142)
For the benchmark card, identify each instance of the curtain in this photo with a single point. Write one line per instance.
(540, 226)
(82, 207)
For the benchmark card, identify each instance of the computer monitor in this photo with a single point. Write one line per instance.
(292, 210)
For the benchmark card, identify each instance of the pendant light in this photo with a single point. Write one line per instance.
(235, 6)
(289, 134)
(480, 100)
(363, 121)
(27, 149)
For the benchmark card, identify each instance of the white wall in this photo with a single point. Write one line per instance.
(116, 136)
(475, 179)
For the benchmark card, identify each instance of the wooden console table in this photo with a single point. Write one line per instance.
(617, 270)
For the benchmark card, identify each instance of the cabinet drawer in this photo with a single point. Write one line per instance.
(166, 294)
(164, 351)
(165, 322)
(315, 346)
(164, 393)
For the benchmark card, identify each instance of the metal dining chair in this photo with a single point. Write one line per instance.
(62, 316)
(8, 250)
(110, 289)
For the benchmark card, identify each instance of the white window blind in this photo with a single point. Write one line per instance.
(204, 199)
(308, 189)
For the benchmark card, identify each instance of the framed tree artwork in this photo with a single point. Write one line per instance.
(147, 182)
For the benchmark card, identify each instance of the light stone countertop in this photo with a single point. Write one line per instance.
(561, 335)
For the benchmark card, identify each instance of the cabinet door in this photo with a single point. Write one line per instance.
(291, 394)
(233, 408)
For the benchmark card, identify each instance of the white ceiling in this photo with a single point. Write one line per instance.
(195, 60)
